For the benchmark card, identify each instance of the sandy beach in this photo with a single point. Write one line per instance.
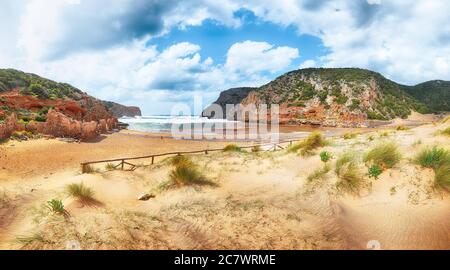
(259, 200)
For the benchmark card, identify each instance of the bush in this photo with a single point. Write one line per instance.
(80, 191)
(433, 158)
(442, 176)
(313, 141)
(402, 128)
(180, 160)
(40, 118)
(56, 206)
(385, 155)
(232, 148)
(110, 167)
(22, 135)
(375, 171)
(325, 156)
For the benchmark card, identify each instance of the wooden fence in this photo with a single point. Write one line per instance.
(86, 166)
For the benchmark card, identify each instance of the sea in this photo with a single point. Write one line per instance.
(163, 123)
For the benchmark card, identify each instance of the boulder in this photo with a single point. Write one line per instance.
(145, 197)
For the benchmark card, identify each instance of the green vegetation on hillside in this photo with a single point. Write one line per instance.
(31, 84)
(436, 94)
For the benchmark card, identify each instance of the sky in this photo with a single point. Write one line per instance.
(158, 53)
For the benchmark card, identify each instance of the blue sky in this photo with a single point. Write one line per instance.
(158, 53)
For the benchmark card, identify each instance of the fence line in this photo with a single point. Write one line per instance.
(123, 161)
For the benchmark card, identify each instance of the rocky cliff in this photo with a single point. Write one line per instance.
(32, 103)
(345, 97)
(119, 110)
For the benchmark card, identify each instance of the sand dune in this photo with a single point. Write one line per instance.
(260, 200)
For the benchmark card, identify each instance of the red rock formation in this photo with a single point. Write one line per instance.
(9, 126)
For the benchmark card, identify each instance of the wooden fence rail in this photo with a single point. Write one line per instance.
(123, 161)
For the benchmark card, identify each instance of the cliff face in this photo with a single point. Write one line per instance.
(32, 103)
(119, 110)
(231, 96)
(344, 97)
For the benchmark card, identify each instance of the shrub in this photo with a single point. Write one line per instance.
(370, 137)
(22, 135)
(325, 156)
(319, 173)
(433, 158)
(56, 206)
(442, 176)
(80, 191)
(385, 155)
(40, 118)
(375, 171)
(313, 141)
(232, 148)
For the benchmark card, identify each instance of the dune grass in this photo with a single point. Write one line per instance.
(319, 173)
(351, 135)
(313, 141)
(442, 176)
(232, 148)
(56, 206)
(445, 132)
(30, 239)
(110, 167)
(87, 169)
(80, 191)
(437, 159)
(402, 128)
(256, 149)
(185, 172)
(348, 173)
(433, 157)
(385, 155)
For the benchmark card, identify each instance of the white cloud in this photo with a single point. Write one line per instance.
(308, 64)
(250, 57)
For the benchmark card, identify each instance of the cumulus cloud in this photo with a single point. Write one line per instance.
(308, 64)
(250, 57)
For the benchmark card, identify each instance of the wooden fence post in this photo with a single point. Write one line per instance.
(123, 163)
(153, 160)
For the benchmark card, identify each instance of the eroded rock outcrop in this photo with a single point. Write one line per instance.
(59, 125)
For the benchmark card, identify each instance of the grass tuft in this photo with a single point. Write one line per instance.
(319, 173)
(80, 191)
(402, 128)
(110, 167)
(385, 155)
(347, 170)
(87, 169)
(433, 157)
(232, 148)
(312, 142)
(442, 176)
(350, 135)
(56, 206)
(186, 173)
(445, 132)
(256, 149)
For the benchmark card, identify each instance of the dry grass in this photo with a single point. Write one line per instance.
(87, 169)
(319, 173)
(442, 176)
(313, 141)
(185, 173)
(445, 132)
(80, 191)
(348, 173)
(232, 148)
(402, 128)
(350, 135)
(385, 155)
